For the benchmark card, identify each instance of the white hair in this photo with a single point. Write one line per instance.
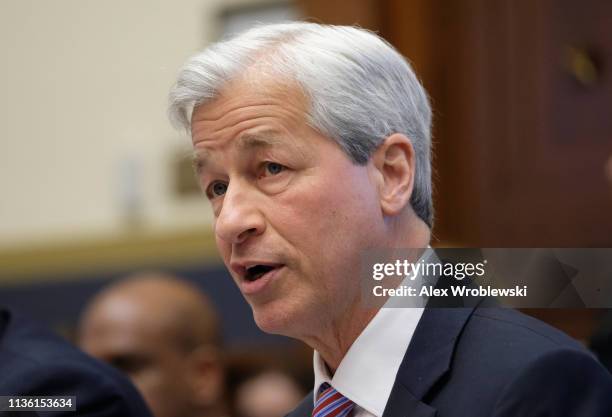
(360, 89)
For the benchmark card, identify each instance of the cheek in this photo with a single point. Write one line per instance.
(148, 384)
(157, 389)
(161, 381)
(223, 247)
(331, 222)
(347, 203)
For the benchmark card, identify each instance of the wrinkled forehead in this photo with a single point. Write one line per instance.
(248, 116)
(247, 91)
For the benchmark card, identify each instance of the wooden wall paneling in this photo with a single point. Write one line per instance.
(577, 138)
(364, 13)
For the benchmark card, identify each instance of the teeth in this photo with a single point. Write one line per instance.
(255, 272)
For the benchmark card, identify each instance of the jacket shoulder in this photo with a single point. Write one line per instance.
(510, 321)
(562, 382)
(496, 355)
(34, 361)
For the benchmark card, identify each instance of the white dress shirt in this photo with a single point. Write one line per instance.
(367, 372)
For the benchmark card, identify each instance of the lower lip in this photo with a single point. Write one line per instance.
(260, 284)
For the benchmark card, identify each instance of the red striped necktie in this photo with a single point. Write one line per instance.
(330, 403)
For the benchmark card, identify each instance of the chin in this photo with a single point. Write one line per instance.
(274, 318)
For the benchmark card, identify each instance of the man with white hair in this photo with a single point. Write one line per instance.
(312, 143)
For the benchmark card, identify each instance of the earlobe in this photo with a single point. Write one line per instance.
(394, 162)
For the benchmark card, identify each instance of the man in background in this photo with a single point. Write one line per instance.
(164, 334)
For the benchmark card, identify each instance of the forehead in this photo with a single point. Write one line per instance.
(255, 110)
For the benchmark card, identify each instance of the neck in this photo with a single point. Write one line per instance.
(334, 339)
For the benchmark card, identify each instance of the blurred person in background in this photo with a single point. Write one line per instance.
(312, 143)
(268, 382)
(269, 393)
(36, 362)
(163, 332)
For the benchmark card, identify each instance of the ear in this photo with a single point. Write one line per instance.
(207, 376)
(394, 162)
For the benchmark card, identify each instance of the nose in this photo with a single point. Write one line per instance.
(240, 217)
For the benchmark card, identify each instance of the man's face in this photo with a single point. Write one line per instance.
(130, 338)
(292, 212)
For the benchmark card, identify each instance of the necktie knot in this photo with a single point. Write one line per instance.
(330, 403)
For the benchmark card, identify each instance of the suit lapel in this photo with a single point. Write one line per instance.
(427, 359)
(402, 403)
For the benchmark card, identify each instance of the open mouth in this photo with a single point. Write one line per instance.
(257, 271)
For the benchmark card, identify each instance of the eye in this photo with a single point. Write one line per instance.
(216, 189)
(273, 168)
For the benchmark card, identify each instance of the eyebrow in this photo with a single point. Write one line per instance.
(265, 139)
(199, 161)
(246, 141)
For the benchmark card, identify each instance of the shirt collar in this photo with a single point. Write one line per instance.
(367, 372)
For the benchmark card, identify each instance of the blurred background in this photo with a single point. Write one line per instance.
(95, 184)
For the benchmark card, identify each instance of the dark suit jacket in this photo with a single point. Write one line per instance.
(35, 362)
(493, 362)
